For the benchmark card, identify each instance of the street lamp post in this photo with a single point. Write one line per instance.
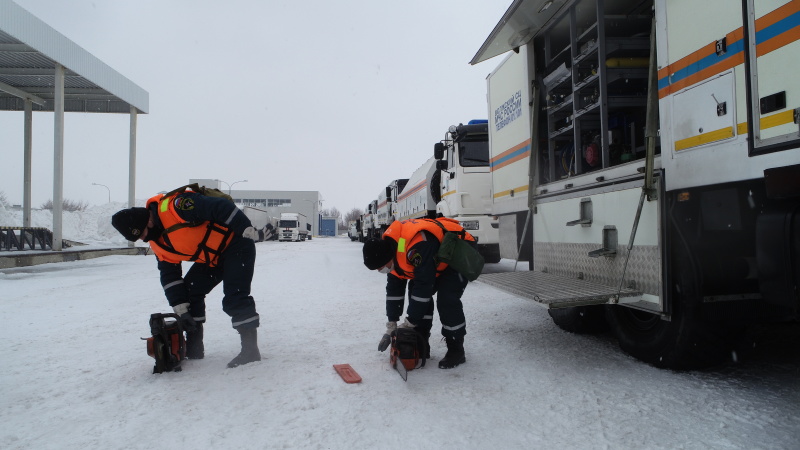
(230, 185)
(109, 190)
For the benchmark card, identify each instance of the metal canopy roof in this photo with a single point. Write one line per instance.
(42, 70)
(29, 52)
(521, 22)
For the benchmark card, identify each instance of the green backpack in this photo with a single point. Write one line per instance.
(211, 192)
(459, 254)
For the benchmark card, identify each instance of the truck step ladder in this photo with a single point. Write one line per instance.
(557, 291)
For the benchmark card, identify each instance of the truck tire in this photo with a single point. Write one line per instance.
(687, 340)
(580, 319)
(490, 253)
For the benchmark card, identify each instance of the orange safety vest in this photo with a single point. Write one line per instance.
(408, 233)
(181, 241)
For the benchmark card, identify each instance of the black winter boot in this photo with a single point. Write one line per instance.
(455, 353)
(194, 343)
(249, 351)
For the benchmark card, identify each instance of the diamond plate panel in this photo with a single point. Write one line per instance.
(572, 260)
(556, 291)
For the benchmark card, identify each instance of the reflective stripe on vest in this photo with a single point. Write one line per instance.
(401, 245)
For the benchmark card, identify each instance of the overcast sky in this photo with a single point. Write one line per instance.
(337, 97)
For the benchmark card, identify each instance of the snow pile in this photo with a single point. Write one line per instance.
(91, 227)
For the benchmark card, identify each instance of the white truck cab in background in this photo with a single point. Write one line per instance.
(293, 227)
(465, 187)
(352, 230)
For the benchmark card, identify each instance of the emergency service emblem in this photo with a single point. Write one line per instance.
(184, 204)
(414, 257)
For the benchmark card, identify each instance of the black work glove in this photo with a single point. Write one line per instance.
(187, 322)
(387, 338)
(384, 344)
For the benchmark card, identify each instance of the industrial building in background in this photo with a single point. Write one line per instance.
(307, 203)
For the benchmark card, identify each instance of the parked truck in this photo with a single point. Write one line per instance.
(352, 230)
(386, 210)
(464, 192)
(417, 198)
(653, 155)
(368, 221)
(293, 227)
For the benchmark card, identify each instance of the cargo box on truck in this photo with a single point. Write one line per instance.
(657, 145)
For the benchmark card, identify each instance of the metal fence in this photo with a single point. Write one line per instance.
(25, 238)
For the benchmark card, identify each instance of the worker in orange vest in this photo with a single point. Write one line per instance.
(406, 253)
(219, 239)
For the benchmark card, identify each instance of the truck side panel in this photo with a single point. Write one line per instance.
(415, 200)
(572, 250)
(705, 144)
(510, 142)
(510, 133)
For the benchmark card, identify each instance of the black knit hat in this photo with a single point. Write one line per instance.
(131, 222)
(378, 252)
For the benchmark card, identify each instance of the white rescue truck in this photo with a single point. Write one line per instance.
(653, 149)
(293, 227)
(417, 200)
(368, 221)
(386, 210)
(465, 184)
(352, 230)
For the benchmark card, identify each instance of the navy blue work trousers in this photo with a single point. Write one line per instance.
(449, 288)
(235, 271)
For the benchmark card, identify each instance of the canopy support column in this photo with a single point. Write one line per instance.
(58, 157)
(132, 163)
(27, 169)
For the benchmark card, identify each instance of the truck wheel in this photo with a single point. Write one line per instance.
(580, 319)
(686, 341)
(490, 253)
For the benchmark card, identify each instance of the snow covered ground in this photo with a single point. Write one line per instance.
(75, 374)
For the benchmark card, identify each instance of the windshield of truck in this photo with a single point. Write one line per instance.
(288, 224)
(473, 153)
